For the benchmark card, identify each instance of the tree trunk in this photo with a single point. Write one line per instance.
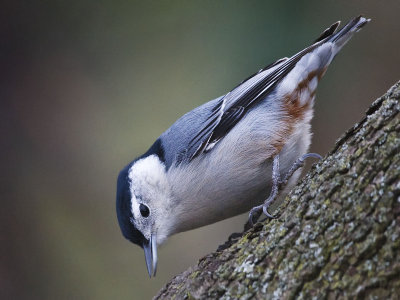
(337, 234)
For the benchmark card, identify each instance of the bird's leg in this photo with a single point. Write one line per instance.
(256, 211)
(296, 165)
(277, 185)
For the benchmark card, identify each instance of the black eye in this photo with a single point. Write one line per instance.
(144, 210)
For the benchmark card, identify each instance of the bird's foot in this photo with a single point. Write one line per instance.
(277, 186)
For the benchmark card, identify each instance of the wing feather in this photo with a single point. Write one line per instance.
(234, 105)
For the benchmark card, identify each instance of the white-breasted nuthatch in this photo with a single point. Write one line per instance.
(214, 162)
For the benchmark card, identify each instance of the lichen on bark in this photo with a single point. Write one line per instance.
(337, 234)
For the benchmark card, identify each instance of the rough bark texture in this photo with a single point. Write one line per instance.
(338, 233)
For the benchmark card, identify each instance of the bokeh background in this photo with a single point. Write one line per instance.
(85, 86)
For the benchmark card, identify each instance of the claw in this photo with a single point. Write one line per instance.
(313, 155)
(265, 211)
(253, 211)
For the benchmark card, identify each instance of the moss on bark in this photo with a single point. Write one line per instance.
(338, 233)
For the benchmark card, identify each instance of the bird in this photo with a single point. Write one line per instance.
(231, 155)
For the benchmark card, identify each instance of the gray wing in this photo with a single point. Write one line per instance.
(232, 107)
(176, 139)
(229, 109)
(188, 133)
(209, 123)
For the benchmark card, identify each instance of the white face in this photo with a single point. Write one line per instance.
(150, 194)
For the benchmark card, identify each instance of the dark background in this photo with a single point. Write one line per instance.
(85, 86)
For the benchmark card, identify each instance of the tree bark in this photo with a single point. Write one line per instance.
(337, 234)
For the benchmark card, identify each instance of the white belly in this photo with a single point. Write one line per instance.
(236, 175)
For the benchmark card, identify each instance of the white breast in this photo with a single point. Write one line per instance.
(236, 174)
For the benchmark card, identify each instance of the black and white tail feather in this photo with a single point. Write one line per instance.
(232, 107)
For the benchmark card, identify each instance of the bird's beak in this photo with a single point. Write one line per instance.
(150, 254)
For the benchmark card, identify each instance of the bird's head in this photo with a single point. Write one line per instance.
(143, 205)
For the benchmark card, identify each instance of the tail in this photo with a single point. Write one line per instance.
(309, 65)
(341, 37)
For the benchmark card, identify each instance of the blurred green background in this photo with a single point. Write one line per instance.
(88, 85)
